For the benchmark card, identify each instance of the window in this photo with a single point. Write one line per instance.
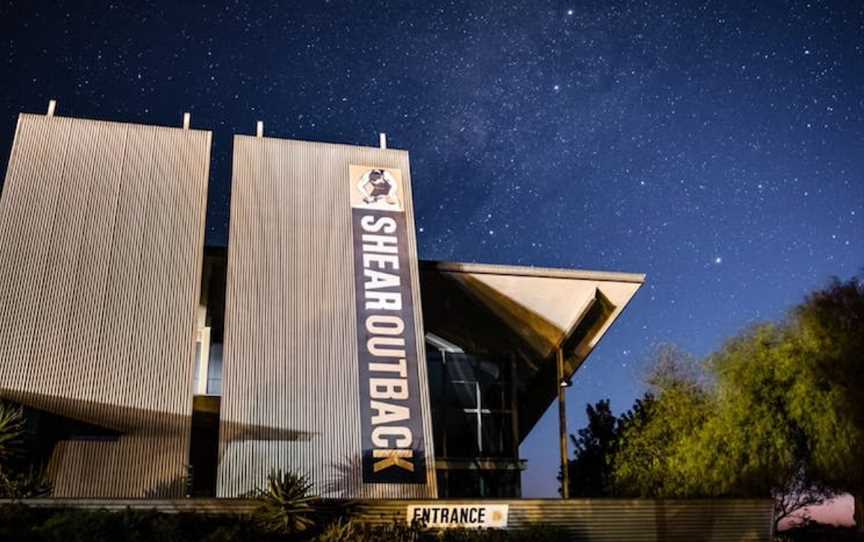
(472, 403)
(214, 370)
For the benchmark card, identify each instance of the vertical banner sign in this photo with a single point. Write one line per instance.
(390, 417)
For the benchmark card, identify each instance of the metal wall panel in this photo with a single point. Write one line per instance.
(612, 520)
(290, 374)
(588, 520)
(101, 244)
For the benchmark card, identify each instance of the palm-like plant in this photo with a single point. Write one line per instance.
(11, 431)
(286, 505)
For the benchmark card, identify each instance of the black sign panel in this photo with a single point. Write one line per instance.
(390, 415)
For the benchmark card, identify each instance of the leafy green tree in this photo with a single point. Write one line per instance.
(790, 411)
(782, 413)
(651, 444)
(827, 397)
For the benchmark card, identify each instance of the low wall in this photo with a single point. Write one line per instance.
(716, 520)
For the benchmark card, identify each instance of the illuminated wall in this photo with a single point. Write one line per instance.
(101, 240)
(321, 240)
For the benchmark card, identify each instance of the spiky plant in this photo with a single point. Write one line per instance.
(286, 505)
(340, 530)
(11, 431)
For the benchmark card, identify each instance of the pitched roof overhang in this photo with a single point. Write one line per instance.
(526, 314)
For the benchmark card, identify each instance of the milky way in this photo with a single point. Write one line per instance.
(715, 147)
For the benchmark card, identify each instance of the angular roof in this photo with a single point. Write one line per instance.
(526, 313)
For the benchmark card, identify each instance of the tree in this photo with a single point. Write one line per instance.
(798, 494)
(651, 442)
(591, 466)
(827, 398)
(780, 415)
(791, 412)
(595, 446)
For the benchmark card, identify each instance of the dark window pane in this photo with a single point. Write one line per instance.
(461, 434)
(463, 483)
(495, 396)
(462, 395)
(460, 367)
(438, 428)
(214, 370)
(478, 483)
(497, 435)
(436, 382)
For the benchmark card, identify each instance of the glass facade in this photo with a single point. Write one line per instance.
(472, 403)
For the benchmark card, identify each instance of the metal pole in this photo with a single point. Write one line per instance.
(562, 426)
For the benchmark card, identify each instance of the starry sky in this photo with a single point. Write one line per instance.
(714, 146)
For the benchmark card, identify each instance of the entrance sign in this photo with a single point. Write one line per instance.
(390, 415)
(466, 516)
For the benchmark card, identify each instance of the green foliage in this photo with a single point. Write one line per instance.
(21, 523)
(24, 484)
(534, 533)
(24, 524)
(286, 506)
(653, 442)
(355, 531)
(11, 432)
(590, 470)
(596, 445)
(18, 480)
(780, 413)
(825, 399)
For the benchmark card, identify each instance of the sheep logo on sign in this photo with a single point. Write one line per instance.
(379, 189)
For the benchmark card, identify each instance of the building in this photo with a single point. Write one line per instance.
(151, 368)
(317, 341)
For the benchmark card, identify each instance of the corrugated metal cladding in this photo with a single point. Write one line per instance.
(613, 520)
(290, 374)
(101, 241)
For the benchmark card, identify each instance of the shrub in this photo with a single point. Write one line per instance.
(286, 506)
(20, 523)
(355, 531)
(28, 484)
(535, 533)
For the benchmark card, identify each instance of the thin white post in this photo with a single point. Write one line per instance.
(187, 118)
(259, 129)
(52, 105)
(382, 139)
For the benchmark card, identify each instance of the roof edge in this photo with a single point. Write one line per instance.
(117, 122)
(327, 143)
(531, 271)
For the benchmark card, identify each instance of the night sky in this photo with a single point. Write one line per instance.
(716, 147)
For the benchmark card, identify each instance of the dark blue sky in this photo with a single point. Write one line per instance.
(715, 146)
